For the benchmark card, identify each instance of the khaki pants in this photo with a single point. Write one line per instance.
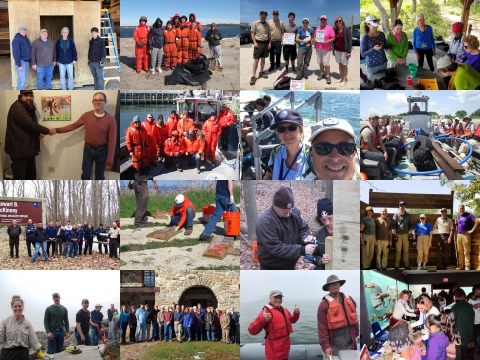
(368, 250)
(463, 248)
(178, 331)
(225, 335)
(402, 242)
(422, 248)
(382, 250)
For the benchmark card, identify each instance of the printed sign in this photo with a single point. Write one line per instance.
(320, 36)
(297, 85)
(20, 211)
(288, 39)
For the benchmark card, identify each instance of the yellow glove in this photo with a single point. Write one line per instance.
(40, 354)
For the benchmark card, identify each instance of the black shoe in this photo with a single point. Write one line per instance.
(294, 69)
(279, 68)
(396, 268)
(205, 237)
(305, 76)
(271, 68)
(408, 268)
(384, 268)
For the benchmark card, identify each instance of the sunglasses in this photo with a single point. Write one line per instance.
(338, 21)
(150, 117)
(291, 128)
(327, 148)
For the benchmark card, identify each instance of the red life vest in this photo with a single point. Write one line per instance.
(336, 316)
(279, 326)
(468, 131)
(363, 144)
(382, 131)
(477, 131)
(457, 130)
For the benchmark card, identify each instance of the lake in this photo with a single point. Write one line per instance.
(227, 32)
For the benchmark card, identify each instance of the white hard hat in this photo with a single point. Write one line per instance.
(179, 200)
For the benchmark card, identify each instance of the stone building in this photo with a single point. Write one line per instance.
(163, 287)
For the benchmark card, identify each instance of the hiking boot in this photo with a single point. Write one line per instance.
(138, 72)
(261, 75)
(252, 80)
(205, 237)
(305, 76)
(180, 169)
(329, 81)
(188, 231)
(198, 171)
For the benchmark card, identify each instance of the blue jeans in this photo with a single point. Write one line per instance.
(74, 249)
(190, 216)
(193, 161)
(97, 73)
(143, 328)
(99, 156)
(211, 335)
(55, 345)
(69, 69)
(198, 333)
(43, 245)
(22, 75)
(233, 333)
(88, 339)
(95, 336)
(123, 330)
(221, 205)
(167, 331)
(186, 332)
(44, 73)
(155, 331)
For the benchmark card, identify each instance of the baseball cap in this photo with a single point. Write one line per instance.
(332, 124)
(276, 293)
(419, 17)
(43, 30)
(402, 203)
(22, 27)
(443, 209)
(22, 92)
(372, 20)
(287, 115)
(98, 305)
(457, 119)
(323, 17)
(55, 295)
(368, 208)
(136, 119)
(372, 115)
(422, 216)
(305, 19)
(443, 62)
(263, 12)
(275, 12)
(85, 301)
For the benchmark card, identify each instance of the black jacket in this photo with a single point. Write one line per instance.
(155, 37)
(320, 235)
(96, 50)
(210, 37)
(280, 240)
(22, 136)
(14, 231)
(40, 235)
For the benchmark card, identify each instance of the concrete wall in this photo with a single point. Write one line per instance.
(63, 152)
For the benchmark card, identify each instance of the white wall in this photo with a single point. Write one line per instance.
(64, 152)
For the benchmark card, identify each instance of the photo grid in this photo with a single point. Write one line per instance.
(171, 153)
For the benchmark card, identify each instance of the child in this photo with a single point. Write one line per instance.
(401, 341)
(453, 334)
(437, 340)
(418, 346)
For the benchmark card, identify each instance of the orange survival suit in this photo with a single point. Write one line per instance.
(184, 125)
(172, 123)
(170, 48)
(278, 329)
(141, 49)
(195, 42)
(182, 41)
(193, 18)
(172, 146)
(153, 139)
(195, 146)
(226, 117)
(211, 129)
(136, 140)
(163, 136)
(182, 210)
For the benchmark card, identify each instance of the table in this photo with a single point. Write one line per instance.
(403, 72)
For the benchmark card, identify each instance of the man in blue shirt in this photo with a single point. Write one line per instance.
(97, 317)
(22, 54)
(141, 315)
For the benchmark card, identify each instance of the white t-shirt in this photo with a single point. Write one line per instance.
(477, 310)
(421, 321)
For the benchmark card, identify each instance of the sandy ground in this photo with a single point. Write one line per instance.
(246, 59)
(177, 258)
(227, 79)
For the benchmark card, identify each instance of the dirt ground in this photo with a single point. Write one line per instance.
(226, 79)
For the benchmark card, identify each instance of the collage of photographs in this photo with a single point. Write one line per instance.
(171, 152)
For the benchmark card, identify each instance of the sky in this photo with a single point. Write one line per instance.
(207, 11)
(404, 187)
(294, 285)
(395, 102)
(36, 287)
(311, 9)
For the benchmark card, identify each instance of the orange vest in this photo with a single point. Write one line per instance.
(184, 125)
(211, 129)
(363, 144)
(456, 129)
(169, 36)
(226, 118)
(170, 147)
(141, 33)
(336, 317)
(172, 124)
(467, 130)
(279, 326)
(195, 145)
(382, 131)
(477, 131)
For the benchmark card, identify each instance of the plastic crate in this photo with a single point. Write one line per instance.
(430, 84)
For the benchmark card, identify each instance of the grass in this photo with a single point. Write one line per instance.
(195, 222)
(221, 267)
(205, 350)
(161, 244)
(198, 198)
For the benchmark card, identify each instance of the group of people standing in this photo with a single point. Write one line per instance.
(180, 321)
(379, 234)
(269, 38)
(44, 54)
(177, 138)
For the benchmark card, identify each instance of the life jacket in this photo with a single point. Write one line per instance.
(195, 145)
(169, 36)
(394, 128)
(211, 129)
(382, 131)
(226, 118)
(152, 130)
(163, 132)
(172, 123)
(458, 129)
(477, 131)
(279, 326)
(184, 125)
(170, 147)
(141, 33)
(339, 316)
(467, 130)
(399, 129)
(363, 144)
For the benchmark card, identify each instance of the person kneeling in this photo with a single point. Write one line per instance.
(182, 214)
(195, 145)
(174, 147)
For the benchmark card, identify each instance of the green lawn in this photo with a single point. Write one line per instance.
(205, 350)
(161, 244)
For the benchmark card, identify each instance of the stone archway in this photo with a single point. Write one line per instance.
(198, 294)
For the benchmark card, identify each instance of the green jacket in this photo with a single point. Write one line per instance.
(399, 49)
(464, 319)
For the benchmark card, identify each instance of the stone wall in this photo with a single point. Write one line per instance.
(224, 284)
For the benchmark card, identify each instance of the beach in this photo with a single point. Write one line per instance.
(225, 79)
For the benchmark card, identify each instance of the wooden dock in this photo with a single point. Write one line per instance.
(144, 97)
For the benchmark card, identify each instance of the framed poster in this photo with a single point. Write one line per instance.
(56, 108)
(289, 39)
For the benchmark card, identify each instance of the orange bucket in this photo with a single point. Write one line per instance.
(207, 213)
(232, 223)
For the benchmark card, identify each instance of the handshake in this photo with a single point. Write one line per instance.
(52, 132)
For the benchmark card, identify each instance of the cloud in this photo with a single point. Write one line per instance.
(452, 98)
(397, 99)
(433, 103)
(466, 96)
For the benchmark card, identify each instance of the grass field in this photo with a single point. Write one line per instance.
(204, 350)
(160, 245)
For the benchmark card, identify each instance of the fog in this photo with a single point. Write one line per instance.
(36, 287)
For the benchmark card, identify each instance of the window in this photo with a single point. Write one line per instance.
(149, 277)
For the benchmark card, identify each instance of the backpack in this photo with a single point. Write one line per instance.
(422, 154)
(282, 82)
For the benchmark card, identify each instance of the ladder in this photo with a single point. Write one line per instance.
(106, 32)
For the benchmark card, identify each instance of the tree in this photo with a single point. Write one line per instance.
(467, 193)
(461, 113)
(414, 7)
(475, 113)
(383, 16)
(250, 201)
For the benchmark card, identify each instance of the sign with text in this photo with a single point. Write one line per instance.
(20, 211)
(289, 39)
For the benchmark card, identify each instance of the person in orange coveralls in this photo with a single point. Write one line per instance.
(172, 122)
(277, 322)
(136, 139)
(174, 148)
(211, 129)
(182, 43)
(195, 41)
(153, 138)
(182, 214)
(141, 49)
(226, 121)
(195, 147)
(163, 136)
(185, 124)
(193, 18)
(170, 47)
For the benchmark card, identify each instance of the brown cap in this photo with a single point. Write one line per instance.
(43, 30)
(283, 198)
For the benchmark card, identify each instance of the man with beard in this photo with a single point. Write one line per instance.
(282, 233)
(22, 138)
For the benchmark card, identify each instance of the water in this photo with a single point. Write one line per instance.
(227, 32)
(127, 112)
(304, 330)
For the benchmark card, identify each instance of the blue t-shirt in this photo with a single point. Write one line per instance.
(142, 315)
(423, 41)
(302, 35)
(421, 229)
(222, 188)
(374, 58)
(279, 163)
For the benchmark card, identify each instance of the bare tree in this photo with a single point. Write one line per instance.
(4, 186)
(250, 201)
(414, 7)
(383, 16)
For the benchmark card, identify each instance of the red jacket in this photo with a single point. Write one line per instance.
(153, 132)
(211, 129)
(141, 33)
(226, 118)
(184, 125)
(195, 145)
(277, 343)
(325, 336)
(163, 132)
(182, 210)
(170, 147)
